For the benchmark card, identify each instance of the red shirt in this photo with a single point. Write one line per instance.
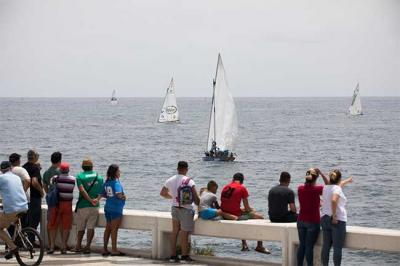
(309, 198)
(231, 198)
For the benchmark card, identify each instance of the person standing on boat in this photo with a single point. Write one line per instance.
(213, 151)
(308, 222)
(181, 190)
(231, 197)
(334, 217)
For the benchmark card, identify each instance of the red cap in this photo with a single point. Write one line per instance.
(64, 167)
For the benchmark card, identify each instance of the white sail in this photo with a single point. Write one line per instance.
(223, 121)
(355, 107)
(169, 110)
(114, 99)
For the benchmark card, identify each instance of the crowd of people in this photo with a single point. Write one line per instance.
(22, 190)
(181, 190)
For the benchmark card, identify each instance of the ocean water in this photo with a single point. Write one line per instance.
(275, 134)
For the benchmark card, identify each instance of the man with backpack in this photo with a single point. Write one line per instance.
(181, 190)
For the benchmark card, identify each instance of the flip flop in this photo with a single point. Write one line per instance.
(105, 254)
(263, 250)
(118, 254)
(245, 248)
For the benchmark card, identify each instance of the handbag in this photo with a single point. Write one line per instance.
(87, 191)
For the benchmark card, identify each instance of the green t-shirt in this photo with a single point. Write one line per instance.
(85, 179)
(52, 171)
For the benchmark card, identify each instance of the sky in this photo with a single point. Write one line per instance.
(270, 48)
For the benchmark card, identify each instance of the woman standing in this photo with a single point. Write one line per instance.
(334, 217)
(113, 191)
(308, 222)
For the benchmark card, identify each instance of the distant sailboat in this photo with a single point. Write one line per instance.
(113, 100)
(355, 107)
(169, 110)
(223, 127)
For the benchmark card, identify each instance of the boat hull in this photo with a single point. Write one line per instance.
(220, 159)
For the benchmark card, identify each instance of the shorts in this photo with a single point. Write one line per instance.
(185, 217)
(52, 218)
(86, 218)
(65, 214)
(245, 216)
(112, 215)
(208, 214)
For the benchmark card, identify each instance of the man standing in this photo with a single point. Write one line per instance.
(35, 204)
(181, 190)
(231, 197)
(90, 186)
(14, 202)
(52, 217)
(65, 185)
(280, 198)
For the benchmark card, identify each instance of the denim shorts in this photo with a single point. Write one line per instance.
(208, 214)
(112, 215)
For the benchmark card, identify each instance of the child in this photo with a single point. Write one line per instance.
(114, 193)
(209, 207)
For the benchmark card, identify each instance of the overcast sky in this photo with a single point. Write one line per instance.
(269, 48)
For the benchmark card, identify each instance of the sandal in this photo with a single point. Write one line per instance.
(262, 250)
(246, 248)
(105, 254)
(50, 251)
(86, 251)
(118, 254)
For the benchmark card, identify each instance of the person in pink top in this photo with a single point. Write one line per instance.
(308, 221)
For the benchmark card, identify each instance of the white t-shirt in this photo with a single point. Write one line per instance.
(327, 194)
(23, 174)
(173, 183)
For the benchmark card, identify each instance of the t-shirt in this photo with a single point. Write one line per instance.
(208, 200)
(113, 203)
(327, 194)
(309, 199)
(173, 183)
(51, 172)
(65, 185)
(86, 179)
(34, 171)
(231, 198)
(12, 192)
(23, 174)
(279, 197)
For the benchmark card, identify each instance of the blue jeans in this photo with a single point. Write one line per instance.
(308, 235)
(333, 235)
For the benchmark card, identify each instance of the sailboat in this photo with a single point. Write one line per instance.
(169, 110)
(223, 127)
(355, 107)
(113, 100)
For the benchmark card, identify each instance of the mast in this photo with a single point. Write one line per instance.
(211, 116)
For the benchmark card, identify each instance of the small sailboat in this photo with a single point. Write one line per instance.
(114, 99)
(355, 107)
(223, 127)
(169, 110)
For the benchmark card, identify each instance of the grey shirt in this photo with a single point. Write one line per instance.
(207, 200)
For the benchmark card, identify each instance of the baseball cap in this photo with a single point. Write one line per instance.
(5, 165)
(64, 168)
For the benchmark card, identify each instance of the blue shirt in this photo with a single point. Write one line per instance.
(13, 194)
(113, 203)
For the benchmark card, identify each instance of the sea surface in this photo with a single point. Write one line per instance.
(275, 134)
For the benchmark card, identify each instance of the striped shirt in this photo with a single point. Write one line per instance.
(65, 186)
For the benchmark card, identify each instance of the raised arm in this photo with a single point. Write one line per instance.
(346, 181)
(326, 179)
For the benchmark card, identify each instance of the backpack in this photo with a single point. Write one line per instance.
(185, 193)
(52, 196)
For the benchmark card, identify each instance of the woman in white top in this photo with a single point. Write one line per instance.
(333, 217)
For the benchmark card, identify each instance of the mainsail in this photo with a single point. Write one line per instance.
(223, 121)
(169, 111)
(355, 107)
(114, 98)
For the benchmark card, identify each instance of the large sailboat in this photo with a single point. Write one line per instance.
(114, 99)
(169, 110)
(223, 127)
(355, 107)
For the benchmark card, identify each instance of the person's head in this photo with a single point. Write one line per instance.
(311, 176)
(113, 172)
(335, 177)
(182, 168)
(212, 186)
(284, 179)
(15, 159)
(87, 165)
(32, 156)
(64, 168)
(56, 158)
(5, 166)
(238, 177)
